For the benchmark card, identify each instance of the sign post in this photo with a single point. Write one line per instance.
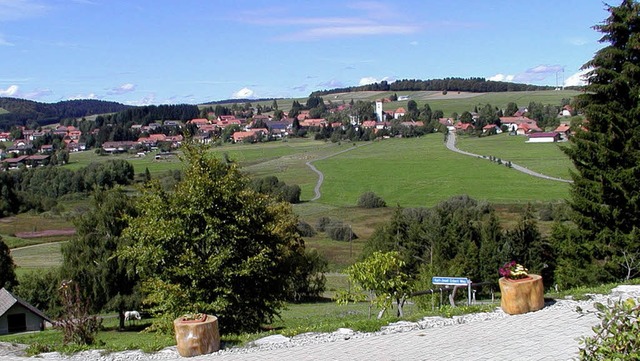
(454, 281)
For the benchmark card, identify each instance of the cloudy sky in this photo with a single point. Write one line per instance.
(193, 51)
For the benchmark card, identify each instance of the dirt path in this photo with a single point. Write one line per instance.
(36, 245)
(451, 144)
(316, 189)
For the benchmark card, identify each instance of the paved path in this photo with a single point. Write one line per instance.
(549, 334)
(552, 333)
(451, 144)
(316, 189)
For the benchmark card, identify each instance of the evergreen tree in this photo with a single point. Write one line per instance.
(605, 194)
(7, 268)
(91, 260)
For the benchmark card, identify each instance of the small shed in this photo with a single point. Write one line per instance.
(16, 315)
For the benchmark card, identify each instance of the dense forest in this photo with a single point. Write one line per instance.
(478, 85)
(29, 113)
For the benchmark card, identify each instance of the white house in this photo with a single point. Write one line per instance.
(548, 137)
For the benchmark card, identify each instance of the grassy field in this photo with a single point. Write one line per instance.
(545, 158)
(407, 172)
(422, 172)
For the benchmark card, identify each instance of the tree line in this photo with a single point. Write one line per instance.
(478, 85)
(39, 188)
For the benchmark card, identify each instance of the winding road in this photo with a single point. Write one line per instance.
(451, 144)
(316, 189)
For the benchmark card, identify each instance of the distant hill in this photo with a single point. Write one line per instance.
(22, 111)
(476, 85)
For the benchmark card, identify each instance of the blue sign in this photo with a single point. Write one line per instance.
(450, 281)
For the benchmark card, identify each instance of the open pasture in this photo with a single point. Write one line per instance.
(545, 158)
(449, 103)
(422, 172)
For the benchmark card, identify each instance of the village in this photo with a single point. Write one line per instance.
(30, 150)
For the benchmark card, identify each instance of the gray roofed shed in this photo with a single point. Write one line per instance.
(16, 315)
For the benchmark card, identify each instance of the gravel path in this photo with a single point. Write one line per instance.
(316, 189)
(451, 144)
(552, 333)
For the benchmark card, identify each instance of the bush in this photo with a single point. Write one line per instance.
(305, 229)
(76, 324)
(322, 223)
(616, 337)
(371, 200)
(339, 231)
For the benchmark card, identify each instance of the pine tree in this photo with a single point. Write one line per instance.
(605, 194)
(7, 267)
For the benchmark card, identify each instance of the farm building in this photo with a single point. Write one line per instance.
(16, 315)
(548, 137)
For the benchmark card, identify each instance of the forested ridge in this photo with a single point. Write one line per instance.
(477, 85)
(27, 112)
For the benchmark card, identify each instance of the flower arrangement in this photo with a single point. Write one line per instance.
(513, 271)
(194, 317)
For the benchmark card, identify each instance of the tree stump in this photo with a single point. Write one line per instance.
(197, 337)
(521, 296)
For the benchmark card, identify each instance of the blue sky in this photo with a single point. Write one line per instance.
(142, 52)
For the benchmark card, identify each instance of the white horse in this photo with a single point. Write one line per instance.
(131, 316)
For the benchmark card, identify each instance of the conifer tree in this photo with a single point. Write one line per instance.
(605, 194)
(7, 267)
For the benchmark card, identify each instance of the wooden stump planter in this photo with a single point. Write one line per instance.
(522, 295)
(198, 336)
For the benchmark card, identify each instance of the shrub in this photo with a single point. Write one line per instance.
(371, 200)
(339, 231)
(77, 325)
(305, 229)
(616, 337)
(322, 223)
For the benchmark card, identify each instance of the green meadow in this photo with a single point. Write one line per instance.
(545, 158)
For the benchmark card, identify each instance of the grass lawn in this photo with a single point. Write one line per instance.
(422, 172)
(545, 158)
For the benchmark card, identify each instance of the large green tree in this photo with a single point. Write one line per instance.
(606, 193)
(7, 268)
(216, 246)
(91, 259)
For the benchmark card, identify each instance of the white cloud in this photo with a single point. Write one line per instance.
(370, 80)
(577, 41)
(122, 89)
(414, 43)
(10, 91)
(148, 100)
(348, 31)
(333, 83)
(538, 73)
(501, 77)
(37, 94)
(577, 79)
(83, 96)
(244, 93)
(11, 10)
(5, 42)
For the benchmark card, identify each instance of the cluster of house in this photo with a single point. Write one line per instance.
(516, 125)
(22, 150)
